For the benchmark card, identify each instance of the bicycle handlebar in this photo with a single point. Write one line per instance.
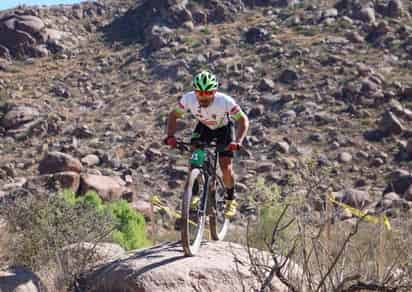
(180, 144)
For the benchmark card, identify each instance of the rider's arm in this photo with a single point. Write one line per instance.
(242, 121)
(242, 125)
(173, 116)
(171, 123)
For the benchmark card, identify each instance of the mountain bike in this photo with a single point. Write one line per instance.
(202, 182)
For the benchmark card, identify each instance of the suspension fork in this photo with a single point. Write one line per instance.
(203, 203)
(212, 184)
(210, 179)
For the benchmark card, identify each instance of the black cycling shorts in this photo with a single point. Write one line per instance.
(222, 136)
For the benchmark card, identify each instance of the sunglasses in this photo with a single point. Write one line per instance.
(204, 93)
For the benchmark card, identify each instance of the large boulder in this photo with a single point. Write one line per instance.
(54, 162)
(17, 115)
(220, 266)
(98, 253)
(19, 32)
(109, 188)
(66, 179)
(395, 8)
(399, 182)
(26, 35)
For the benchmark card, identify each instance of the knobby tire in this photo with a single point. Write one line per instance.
(218, 222)
(191, 246)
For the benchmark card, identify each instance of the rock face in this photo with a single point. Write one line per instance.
(220, 266)
(155, 21)
(27, 35)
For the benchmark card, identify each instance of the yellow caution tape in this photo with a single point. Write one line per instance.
(155, 201)
(383, 219)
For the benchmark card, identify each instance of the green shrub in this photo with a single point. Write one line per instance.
(91, 198)
(130, 229)
(129, 225)
(69, 196)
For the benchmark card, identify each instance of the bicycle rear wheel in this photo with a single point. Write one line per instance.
(217, 219)
(193, 219)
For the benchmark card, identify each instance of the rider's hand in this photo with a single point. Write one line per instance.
(171, 141)
(233, 146)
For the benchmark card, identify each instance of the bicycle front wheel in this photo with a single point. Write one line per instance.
(217, 219)
(193, 218)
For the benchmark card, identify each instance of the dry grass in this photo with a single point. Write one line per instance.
(4, 243)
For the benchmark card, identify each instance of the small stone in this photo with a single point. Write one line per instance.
(90, 160)
(282, 147)
(345, 157)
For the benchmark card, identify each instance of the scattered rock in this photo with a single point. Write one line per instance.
(345, 157)
(395, 8)
(367, 14)
(282, 147)
(355, 198)
(90, 160)
(256, 34)
(354, 37)
(266, 85)
(256, 111)
(61, 90)
(288, 76)
(390, 124)
(264, 167)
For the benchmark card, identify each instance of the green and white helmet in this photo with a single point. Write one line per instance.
(205, 81)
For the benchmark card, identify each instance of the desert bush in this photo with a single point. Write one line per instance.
(43, 225)
(332, 255)
(270, 204)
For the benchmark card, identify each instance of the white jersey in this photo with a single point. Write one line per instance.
(215, 115)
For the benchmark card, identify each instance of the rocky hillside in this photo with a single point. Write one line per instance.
(85, 90)
(95, 81)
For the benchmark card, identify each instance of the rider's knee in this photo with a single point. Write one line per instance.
(226, 169)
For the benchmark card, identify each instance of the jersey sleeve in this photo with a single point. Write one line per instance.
(234, 110)
(182, 106)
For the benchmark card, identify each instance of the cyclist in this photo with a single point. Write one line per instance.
(214, 111)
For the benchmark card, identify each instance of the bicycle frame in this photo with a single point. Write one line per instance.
(209, 172)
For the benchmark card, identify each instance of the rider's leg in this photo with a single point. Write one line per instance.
(225, 163)
(225, 135)
(229, 182)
